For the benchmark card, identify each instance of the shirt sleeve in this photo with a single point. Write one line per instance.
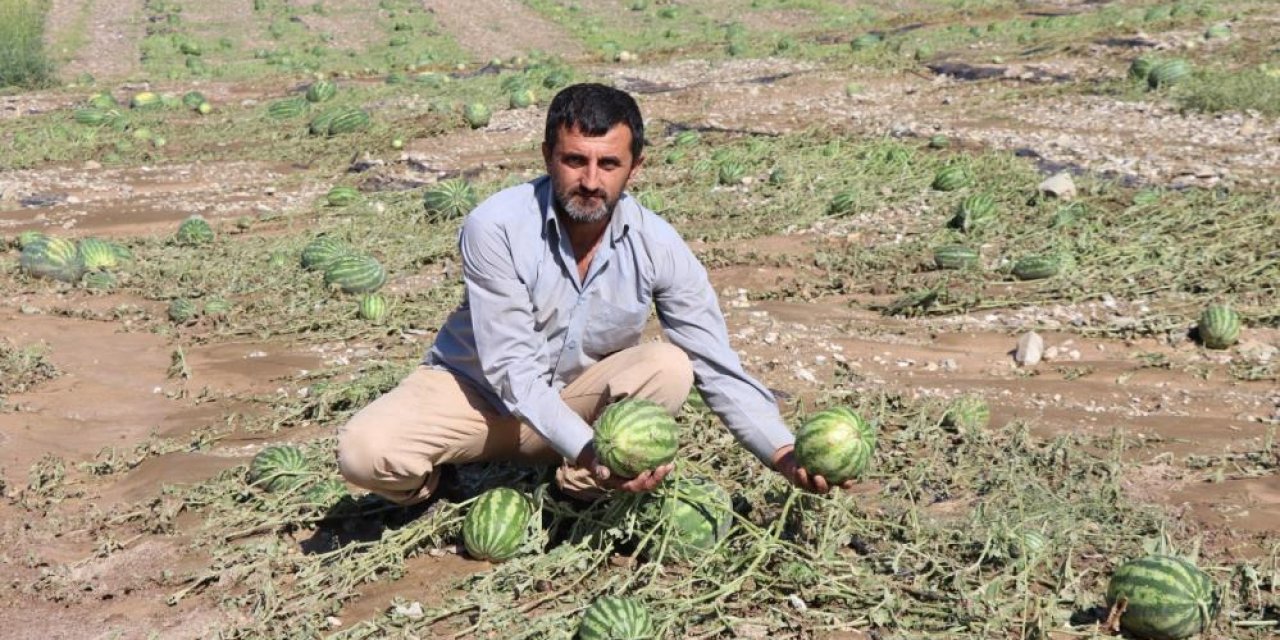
(506, 344)
(691, 318)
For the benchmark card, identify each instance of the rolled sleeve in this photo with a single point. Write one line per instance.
(507, 345)
(691, 319)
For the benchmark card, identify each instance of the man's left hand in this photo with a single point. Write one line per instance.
(784, 462)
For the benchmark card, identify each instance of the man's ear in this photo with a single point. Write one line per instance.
(635, 167)
(546, 153)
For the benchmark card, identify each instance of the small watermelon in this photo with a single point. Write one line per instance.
(341, 196)
(1036, 267)
(287, 108)
(476, 114)
(939, 141)
(973, 212)
(967, 412)
(686, 138)
(1168, 73)
(496, 525)
(321, 91)
(691, 516)
(182, 311)
(320, 124)
(194, 231)
(192, 99)
(322, 252)
(348, 120)
(52, 257)
(449, 199)
(103, 100)
(634, 435)
(1163, 598)
(865, 41)
(373, 307)
(1219, 327)
(1140, 68)
(216, 308)
(355, 273)
(144, 100)
(100, 280)
(616, 618)
(954, 256)
(522, 98)
(96, 253)
(836, 444)
(279, 468)
(843, 202)
(326, 493)
(951, 177)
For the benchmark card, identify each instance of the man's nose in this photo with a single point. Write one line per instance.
(591, 177)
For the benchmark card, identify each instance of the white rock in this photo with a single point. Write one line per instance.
(413, 611)
(1030, 349)
(1050, 354)
(1060, 186)
(333, 622)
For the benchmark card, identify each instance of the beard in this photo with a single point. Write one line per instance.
(584, 207)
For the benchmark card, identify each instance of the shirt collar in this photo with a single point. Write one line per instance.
(624, 214)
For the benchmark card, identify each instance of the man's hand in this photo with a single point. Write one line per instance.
(646, 481)
(784, 462)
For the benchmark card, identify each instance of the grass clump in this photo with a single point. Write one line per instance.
(22, 368)
(22, 58)
(1255, 89)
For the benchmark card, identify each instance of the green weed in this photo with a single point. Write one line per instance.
(1256, 89)
(23, 61)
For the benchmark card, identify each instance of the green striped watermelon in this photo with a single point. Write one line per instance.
(144, 100)
(373, 307)
(28, 237)
(731, 173)
(217, 308)
(349, 120)
(865, 41)
(1219, 326)
(476, 114)
(616, 618)
(951, 177)
(52, 257)
(634, 435)
(321, 91)
(192, 99)
(103, 100)
(320, 124)
(96, 117)
(1036, 267)
(836, 444)
(939, 141)
(354, 273)
(967, 412)
(1168, 73)
(1163, 598)
(843, 202)
(690, 515)
(182, 311)
(954, 256)
(496, 525)
(322, 252)
(326, 493)
(194, 231)
(449, 199)
(279, 468)
(96, 253)
(973, 212)
(522, 98)
(287, 108)
(686, 138)
(1141, 67)
(100, 280)
(341, 196)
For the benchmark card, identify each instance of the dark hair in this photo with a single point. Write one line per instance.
(594, 109)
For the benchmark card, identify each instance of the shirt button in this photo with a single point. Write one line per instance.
(573, 344)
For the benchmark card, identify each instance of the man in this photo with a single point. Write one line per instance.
(560, 274)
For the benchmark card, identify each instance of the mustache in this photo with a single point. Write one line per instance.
(585, 193)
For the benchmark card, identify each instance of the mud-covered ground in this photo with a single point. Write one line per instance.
(116, 386)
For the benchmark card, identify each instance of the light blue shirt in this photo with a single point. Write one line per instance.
(528, 326)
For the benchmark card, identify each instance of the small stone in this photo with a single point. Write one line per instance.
(796, 603)
(771, 337)
(949, 364)
(1074, 354)
(333, 622)
(1060, 186)
(412, 611)
(92, 165)
(1050, 354)
(1030, 349)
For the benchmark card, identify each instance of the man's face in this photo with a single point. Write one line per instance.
(589, 173)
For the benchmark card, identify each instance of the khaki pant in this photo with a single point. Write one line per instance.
(394, 445)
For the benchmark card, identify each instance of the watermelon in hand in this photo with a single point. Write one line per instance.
(836, 444)
(634, 435)
(1162, 598)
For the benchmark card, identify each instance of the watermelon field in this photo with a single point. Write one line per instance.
(1034, 244)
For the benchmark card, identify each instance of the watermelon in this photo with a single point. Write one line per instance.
(103, 100)
(326, 493)
(476, 114)
(182, 311)
(144, 100)
(320, 124)
(97, 254)
(96, 117)
(355, 273)
(1163, 598)
(100, 280)
(1167, 73)
(52, 257)
(836, 444)
(217, 308)
(348, 120)
(194, 231)
(449, 199)
(28, 237)
(778, 176)
(321, 91)
(634, 435)
(279, 468)
(522, 98)
(686, 138)
(973, 212)
(496, 525)
(865, 41)
(322, 252)
(557, 78)
(1027, 544)
(1036, 267)
(188, 48)
(939, 141)
(731, 173)
(950, 178)
(192, 99)
(843, 202)
(1219, 327)
(616, 618)
(341, 196)
(373, 307)
(287, 108)
(954, 256)
(1140, 68)
(1218, 31)
(967, 412)
(691, 515)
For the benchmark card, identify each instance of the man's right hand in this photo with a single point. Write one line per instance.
(646, 481)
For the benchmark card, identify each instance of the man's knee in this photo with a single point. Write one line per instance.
(357, 459)
(671, 361)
